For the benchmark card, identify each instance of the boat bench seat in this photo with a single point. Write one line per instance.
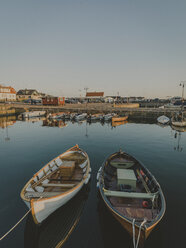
(41, 194)
(129, 194)
(69, 185)
(122, 165)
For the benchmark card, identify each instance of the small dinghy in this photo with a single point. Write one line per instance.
(132, 195)
(56, 183)
(107, 117)
(163, 119)
(80, 117)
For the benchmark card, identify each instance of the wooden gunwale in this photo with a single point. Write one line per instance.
(148, 226)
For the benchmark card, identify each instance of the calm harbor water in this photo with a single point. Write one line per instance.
(27, 146)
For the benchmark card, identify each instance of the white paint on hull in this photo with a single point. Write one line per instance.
(44, 208)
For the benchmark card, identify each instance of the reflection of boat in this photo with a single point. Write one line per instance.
(58, 227)
(179, 129)
(119, 119)
(34, 119)
(94, 117)
(118, 123)
(56, 183)
(109, 225)
(163, 119)
(132, 194)
(54, 123)
(107, 117)
(33, 114)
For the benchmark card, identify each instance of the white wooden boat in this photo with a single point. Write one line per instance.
(33, 114)
(56, 183)
(163, 119)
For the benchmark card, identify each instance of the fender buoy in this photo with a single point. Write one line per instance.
(145, 204)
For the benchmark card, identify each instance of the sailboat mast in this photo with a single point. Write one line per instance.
(183, 85)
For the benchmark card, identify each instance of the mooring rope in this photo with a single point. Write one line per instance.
(15, 225)
(133, 230)
(11, 229)
(139, 233)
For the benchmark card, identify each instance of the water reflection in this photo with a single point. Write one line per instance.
(54, 123)
(56, 229)
(33, 119)
(7, 121)
(112, 233)
(177, 136)
(118, 123)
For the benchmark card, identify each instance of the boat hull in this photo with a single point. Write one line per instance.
(42, 208)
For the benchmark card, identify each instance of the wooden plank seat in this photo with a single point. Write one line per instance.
(122, 164)
(69, 185)
(129, 195)
(42, 194)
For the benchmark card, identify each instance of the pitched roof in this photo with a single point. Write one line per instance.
(98, 94)
(12, 90)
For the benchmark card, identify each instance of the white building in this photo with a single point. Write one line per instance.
(7, 93)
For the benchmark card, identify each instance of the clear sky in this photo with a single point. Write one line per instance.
(134, 47)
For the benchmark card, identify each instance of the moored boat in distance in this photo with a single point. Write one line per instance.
(33, 114)
(163, 119)
(107, 117)
(132, 195)
(80, 117)
(56, 183)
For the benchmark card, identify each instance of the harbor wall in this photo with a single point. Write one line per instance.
(93, 108)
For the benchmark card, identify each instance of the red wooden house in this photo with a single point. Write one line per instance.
(56, 101)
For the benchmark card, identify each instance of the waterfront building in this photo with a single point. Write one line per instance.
(7, 93)
(94, 96)
(52, 100)
(29, 94)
